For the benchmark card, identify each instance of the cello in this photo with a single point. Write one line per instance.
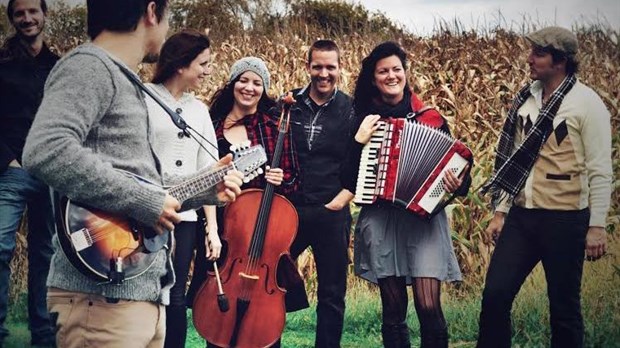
(256, 314)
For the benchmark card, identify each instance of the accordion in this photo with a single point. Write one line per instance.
(405, 162)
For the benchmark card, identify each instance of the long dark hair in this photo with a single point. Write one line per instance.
(178, 52)
(224, 99)
(365, 90)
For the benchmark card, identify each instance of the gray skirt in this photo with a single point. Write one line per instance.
(391, 241)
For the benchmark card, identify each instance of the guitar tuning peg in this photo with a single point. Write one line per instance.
(246, 179)
(259, 171)
(233, 148)
(247, 143)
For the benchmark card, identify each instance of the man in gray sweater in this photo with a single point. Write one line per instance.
(93, 121)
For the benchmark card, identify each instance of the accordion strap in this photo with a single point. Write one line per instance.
(412, 115)
(424, 114)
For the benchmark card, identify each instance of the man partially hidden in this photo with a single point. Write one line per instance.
(25, 62)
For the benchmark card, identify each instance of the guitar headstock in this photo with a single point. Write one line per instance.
(248, 159)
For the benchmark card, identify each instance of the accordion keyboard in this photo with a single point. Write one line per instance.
(367, 174)
(405, 163)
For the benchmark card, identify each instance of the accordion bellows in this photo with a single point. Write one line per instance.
(405, 162)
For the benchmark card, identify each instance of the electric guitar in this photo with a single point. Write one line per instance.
(110, 248)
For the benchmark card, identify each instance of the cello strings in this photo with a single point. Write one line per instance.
(258, 236)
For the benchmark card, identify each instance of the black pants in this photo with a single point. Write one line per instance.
(529, 236)
(185, 235)
(327, 232)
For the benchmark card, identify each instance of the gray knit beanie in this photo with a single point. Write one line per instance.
(253, 64)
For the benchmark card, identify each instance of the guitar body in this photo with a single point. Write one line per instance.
(111, 248)
(99, 244)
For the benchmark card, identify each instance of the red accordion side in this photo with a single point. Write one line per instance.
(405, 162)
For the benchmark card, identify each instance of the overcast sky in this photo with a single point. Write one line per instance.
(421, 16)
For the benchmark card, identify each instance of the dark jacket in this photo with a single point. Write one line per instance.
(321, 141)
(22, 78)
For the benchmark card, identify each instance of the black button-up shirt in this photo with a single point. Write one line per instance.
(322, 135)
(22, 78)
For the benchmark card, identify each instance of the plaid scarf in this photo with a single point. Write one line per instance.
(512, 168)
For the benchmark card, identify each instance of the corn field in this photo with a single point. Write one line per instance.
(470, 78)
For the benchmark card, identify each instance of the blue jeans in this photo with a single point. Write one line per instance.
(19, 190)
(529, 236)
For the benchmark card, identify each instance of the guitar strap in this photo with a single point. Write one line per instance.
(151, 242)
(178, 121)
(174, 116)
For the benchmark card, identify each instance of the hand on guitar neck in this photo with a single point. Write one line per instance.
(227, 191)
(112, 249)
(230, 187)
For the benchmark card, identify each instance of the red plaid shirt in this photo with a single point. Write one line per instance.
(262, 129)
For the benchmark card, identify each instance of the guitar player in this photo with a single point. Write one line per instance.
(93, 121)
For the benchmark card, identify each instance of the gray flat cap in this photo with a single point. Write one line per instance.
(558, 38)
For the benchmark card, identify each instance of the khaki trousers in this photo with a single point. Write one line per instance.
(86, 320)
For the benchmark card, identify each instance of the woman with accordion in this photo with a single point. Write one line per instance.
(394, 247)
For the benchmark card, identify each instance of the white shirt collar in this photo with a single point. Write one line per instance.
(536, 89)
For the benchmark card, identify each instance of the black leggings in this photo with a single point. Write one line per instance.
(176, 313)
(426, 296)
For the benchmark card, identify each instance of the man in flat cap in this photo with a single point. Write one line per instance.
(551, 191)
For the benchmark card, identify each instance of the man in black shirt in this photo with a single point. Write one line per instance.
(321, 120)
(25, 62)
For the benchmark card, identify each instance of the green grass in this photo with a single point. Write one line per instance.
(17, 323)
(19, 337)
(600, 301)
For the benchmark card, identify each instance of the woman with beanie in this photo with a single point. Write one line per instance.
(242, 111)
(183, 65)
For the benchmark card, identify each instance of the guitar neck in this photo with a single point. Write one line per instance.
(199, 184)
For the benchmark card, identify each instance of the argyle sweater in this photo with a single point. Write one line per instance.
(573, 170)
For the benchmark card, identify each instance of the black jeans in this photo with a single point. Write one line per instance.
(529, 236)
(185, 234)
(327, 232)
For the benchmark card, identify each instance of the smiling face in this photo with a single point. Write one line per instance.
(390, 80)
(324, 73)
(248, 91)
(195, 73)
(28, 18)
